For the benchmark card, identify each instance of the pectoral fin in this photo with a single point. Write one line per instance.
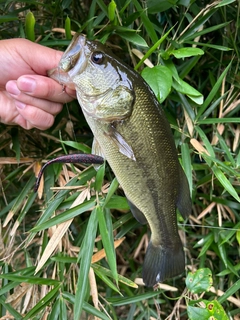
(138, 215)
(121, 143)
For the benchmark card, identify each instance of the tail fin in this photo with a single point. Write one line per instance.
(162, 263)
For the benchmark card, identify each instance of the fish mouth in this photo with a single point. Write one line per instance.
(73, 62)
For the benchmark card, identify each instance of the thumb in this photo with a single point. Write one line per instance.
(40, 58)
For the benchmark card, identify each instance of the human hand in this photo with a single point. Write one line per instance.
(27, 96)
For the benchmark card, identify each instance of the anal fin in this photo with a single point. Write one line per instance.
(138, 215)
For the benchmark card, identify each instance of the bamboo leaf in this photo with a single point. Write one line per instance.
(107, 240)
(85, 257)
(121, 301)
(212, 93)
(186, 52)
(42, 303)
(187, 166)
(133, 37)
(10, 309)
(112, 188)
(67, 215)
(86, 306)
(231, 291)
(225, 182)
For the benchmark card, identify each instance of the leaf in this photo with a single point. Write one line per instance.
(238, 236)
(107, 241)
(183, 87)
(86, 257)
(216, 310)
(121, 301)
(111, 10)
(29, 279)
(86, 306)
(196, 313)
(10, 309)
(53, 243)
(159, 79)
(225, 182)
(107, 281)
(205, 31)
(16, 143)
(20, 199)
(199, 281)
(213, 92)
(213, 310)
(231, 291)
(47, 299)
(99, 178)
(108, 273)
(76, 145)
(112, 188)
(29, 26)
(219, 120)
(186, 52)
(68, 28)
(133, 37)
(186, 162)
(160, 5)
(67, 215)
(152, 49)
(208, 45)
(117, 202)
(224, 3)
(146, 22)
(7, 18)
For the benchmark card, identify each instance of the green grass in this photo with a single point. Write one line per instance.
(196, 47)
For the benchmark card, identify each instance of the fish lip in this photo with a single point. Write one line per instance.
(74, 56)
(74, 51)
(82, 61)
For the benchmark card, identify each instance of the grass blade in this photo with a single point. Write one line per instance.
(107, 240)
(86, 257)
(231, 291)
(212, 93)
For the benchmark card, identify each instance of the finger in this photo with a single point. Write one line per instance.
(34, 117)
(45, 88)
(25, 99)
(38, 61)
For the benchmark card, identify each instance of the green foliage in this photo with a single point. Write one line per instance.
(81, 240)
(199, 282)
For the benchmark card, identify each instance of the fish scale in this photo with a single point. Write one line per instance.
(133, 134)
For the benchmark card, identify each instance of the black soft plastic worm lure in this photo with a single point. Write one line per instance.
(70, 158)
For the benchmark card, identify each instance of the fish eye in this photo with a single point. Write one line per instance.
(97, 57)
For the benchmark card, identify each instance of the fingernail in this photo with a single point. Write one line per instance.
(12, 88)
(26, 84)
(20, 105)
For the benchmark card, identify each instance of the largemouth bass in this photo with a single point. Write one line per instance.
(130, 130)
